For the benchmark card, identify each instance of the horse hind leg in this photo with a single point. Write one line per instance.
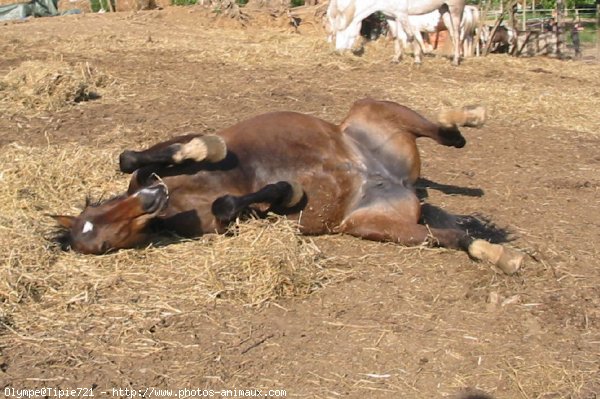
(454, 31)
(279, 196)
(418, 47)
(211, 148)
(379, 226)
(400, 39)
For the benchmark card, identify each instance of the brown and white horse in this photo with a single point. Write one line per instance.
(356, 178)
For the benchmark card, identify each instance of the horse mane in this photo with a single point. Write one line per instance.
(96, 202)
(61, 238)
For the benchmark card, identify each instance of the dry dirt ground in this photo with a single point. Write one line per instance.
(387, 321)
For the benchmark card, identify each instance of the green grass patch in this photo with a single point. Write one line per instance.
(183, 2)
(588, 36)
(98, 5)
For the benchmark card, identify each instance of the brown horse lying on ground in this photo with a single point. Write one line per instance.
(355, 178)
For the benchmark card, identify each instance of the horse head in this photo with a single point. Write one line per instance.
(120, 222)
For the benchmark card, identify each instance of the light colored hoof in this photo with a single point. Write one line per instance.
(211, 148)
(510, 261)
(216, 149)
(296, 195)
(475, 115)
(471, 116)
(506, 259)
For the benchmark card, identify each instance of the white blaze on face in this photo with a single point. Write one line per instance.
(87, 227)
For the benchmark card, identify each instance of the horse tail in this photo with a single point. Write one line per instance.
(471, 116)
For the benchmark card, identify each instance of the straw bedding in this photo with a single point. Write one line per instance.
(50, 85)
(259, 262)
(405, 323)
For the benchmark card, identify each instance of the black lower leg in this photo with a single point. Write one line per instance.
(449, 238)
(130, 161)
(228, 207)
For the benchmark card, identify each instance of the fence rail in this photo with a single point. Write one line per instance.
(539, 23)
(540, 13)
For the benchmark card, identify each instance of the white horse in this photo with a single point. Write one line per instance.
(435, 22)
(468, 30)
(431, 22)
(345, 17)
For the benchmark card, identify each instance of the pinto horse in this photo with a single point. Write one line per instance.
(356, 178)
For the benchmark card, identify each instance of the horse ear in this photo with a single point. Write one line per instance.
(134, 184)
(64, 221)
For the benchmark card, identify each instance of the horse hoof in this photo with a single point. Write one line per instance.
(506, 259)
(510, 261)
(225, 208)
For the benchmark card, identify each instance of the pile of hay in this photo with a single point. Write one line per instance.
(264, 260)
(50, 85)
(43, 289)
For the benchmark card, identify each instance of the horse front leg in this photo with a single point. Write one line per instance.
(418, 47)
(400, 39)
(406, 35)
(454, 31)
(279, 196)
(211, 148)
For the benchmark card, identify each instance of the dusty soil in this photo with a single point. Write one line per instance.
(406, 322)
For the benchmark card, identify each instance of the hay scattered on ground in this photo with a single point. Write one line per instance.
(50, 85)
(262, 261)
(426, 318)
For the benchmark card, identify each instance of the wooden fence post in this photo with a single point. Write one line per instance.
(524, 5)
(480, 26)
(597, 30)
(510, 6)
(558, 26)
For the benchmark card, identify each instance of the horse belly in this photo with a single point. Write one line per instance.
(328, 198)
(300, 149)
(395, 203)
